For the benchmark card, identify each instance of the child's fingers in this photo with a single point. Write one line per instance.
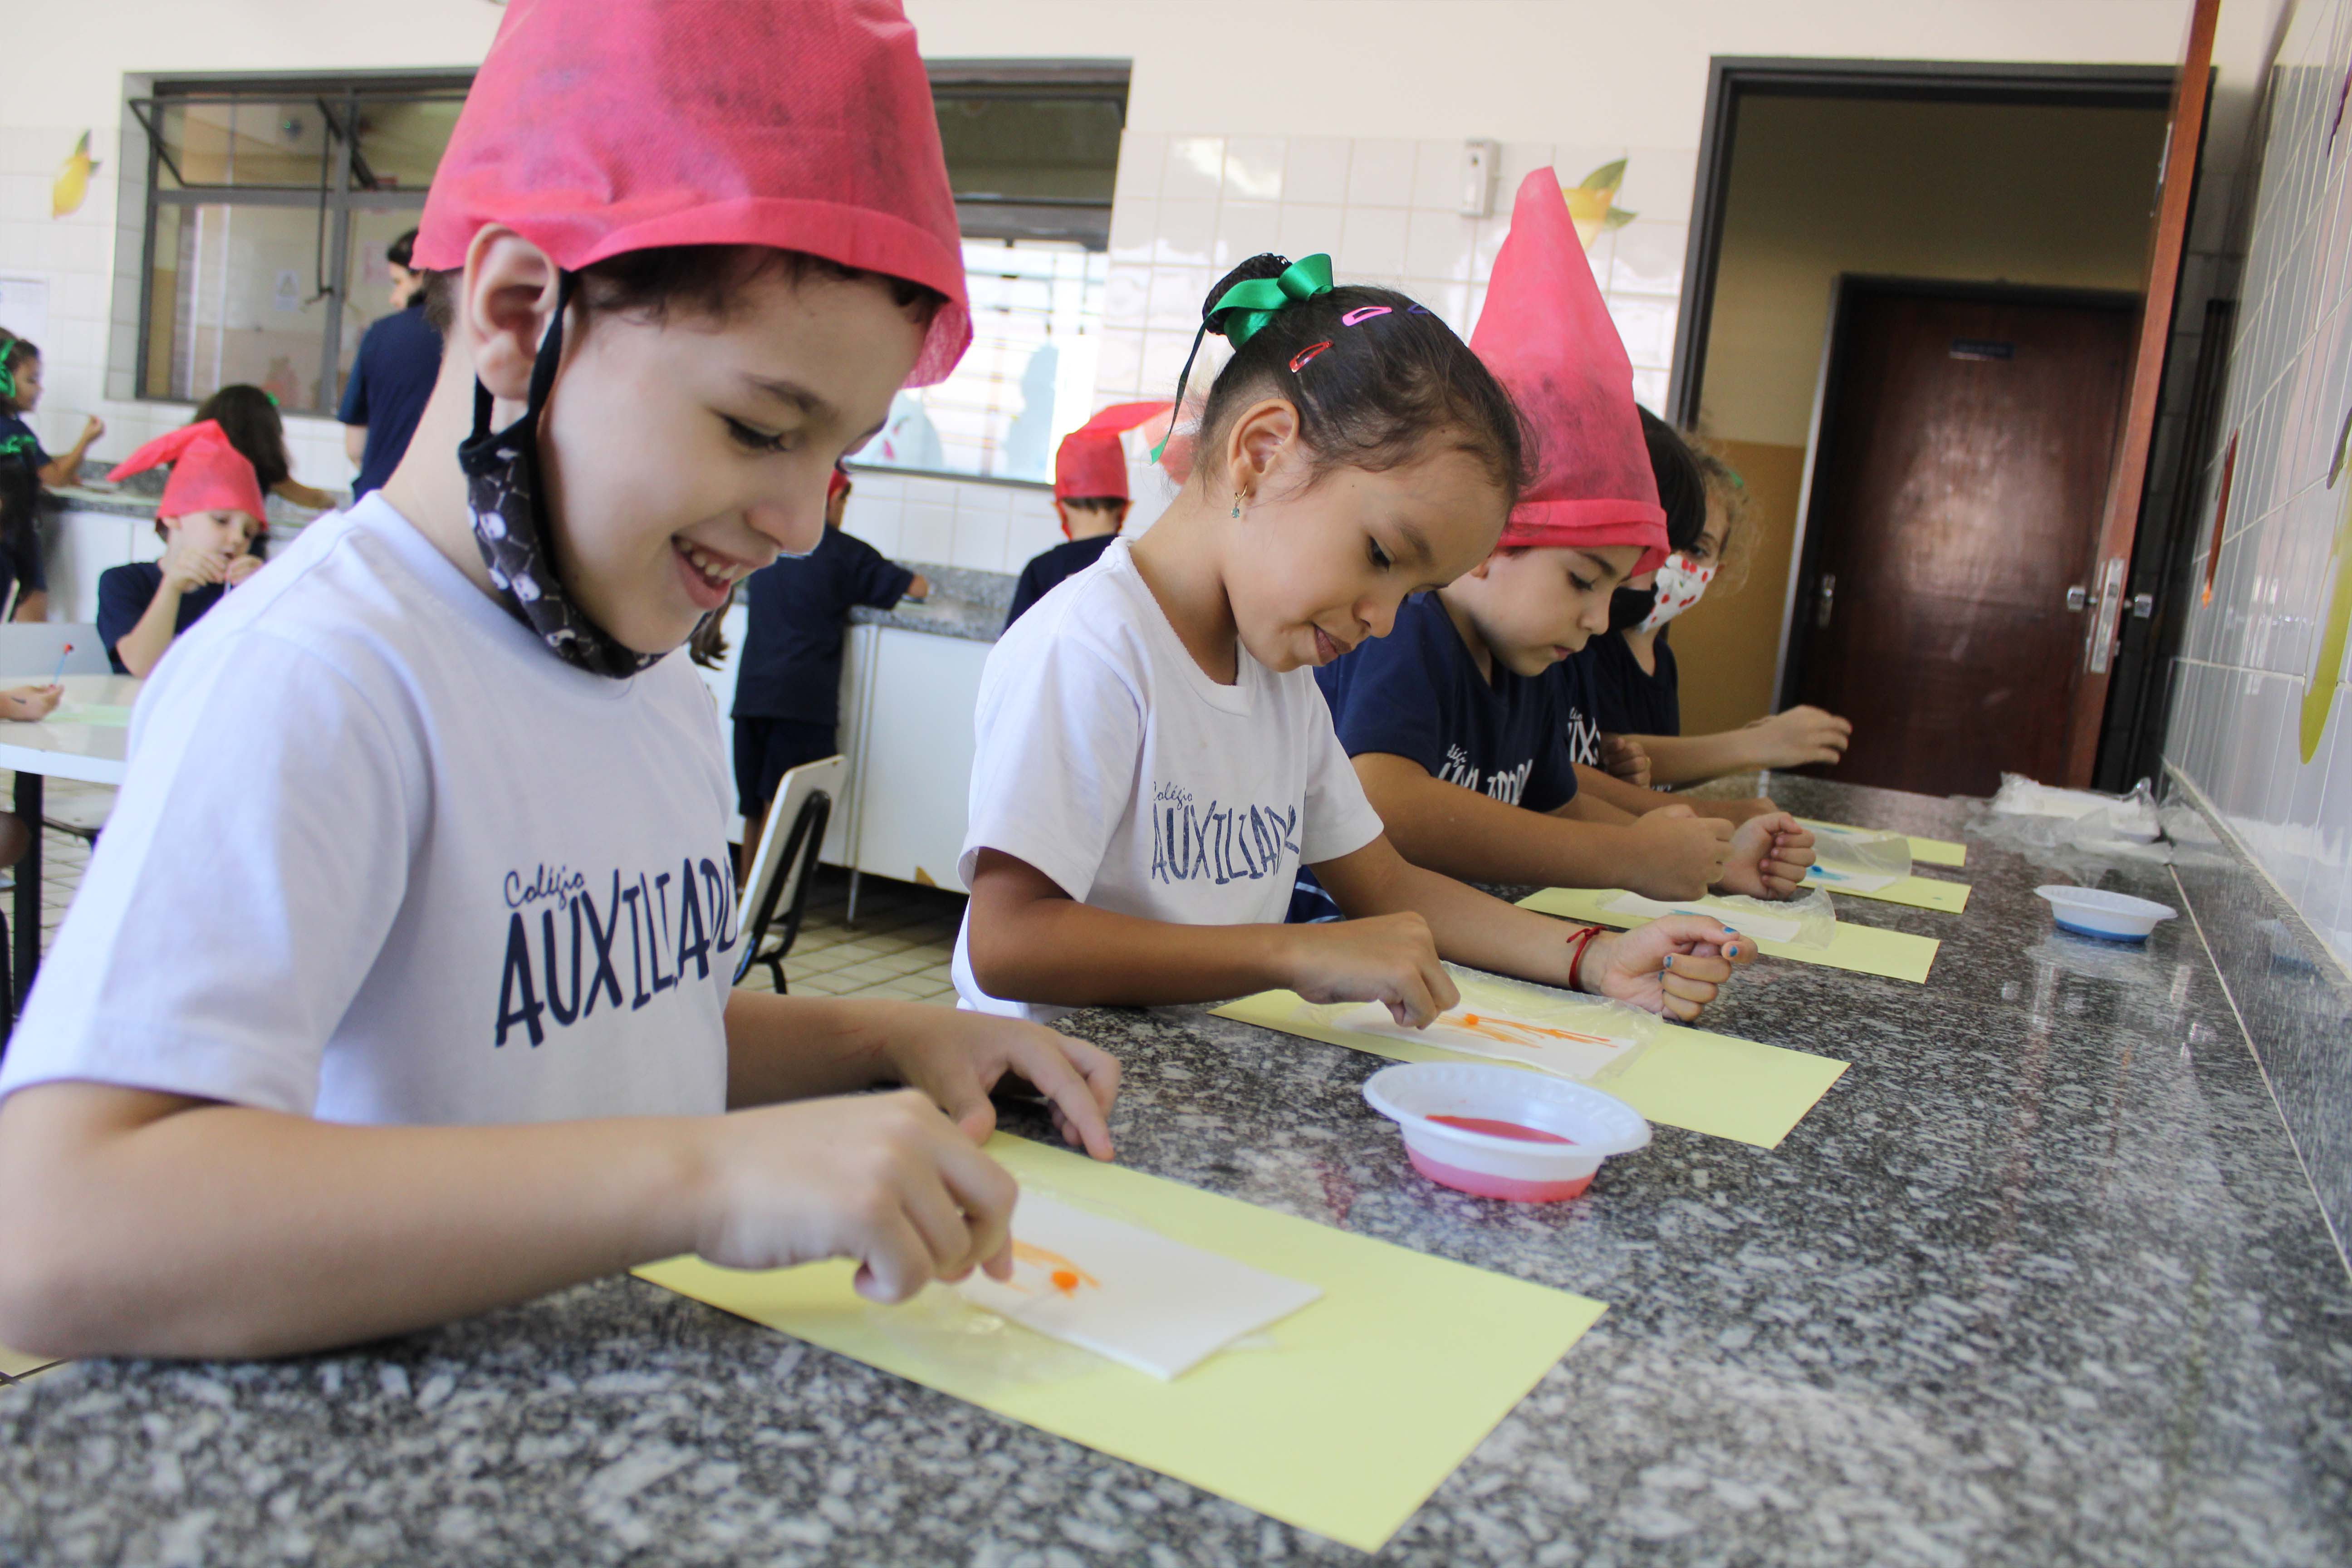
(946, 1237)
(896, 1262)
(1047, 1061)
(1690, 967)
(1699, 994)
(1097, 1066)
(1443, 992)
(1412, 1006)
(983, 1194)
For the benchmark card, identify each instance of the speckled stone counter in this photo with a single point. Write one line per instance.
(2039, 1281)
(964, 603)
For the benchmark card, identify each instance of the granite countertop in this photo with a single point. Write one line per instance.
(2039, 1281)
(964, 603)
(137, 496)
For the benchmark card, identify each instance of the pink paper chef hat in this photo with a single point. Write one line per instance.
(207, 473)
(1091, 464)
(1546, 336)
(598, 127)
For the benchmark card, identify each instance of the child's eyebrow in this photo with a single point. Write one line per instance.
(1417, 541)
(791, 394)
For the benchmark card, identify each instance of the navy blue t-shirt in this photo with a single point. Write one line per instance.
(391, 378)
(18, 441)
(125, 592)
(1628, 700)
(21, 571)
(1578, 704)
(797, 608)
(1046, 571)
(1417, 693)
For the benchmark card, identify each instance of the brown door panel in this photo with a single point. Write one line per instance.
(1964, 459)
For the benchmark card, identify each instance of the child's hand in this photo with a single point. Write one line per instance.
(1673, 966)
(956, 1058)
(1801, 737)
(1622, 756)
(27, 703)
(1388, 958)
(1675, 854)
(1768, 856)
(1738, 811)
(882, 1178)
(92, 429)
(241, 568)
(191, 568)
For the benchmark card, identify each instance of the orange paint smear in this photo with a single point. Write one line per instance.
(1063, 1275)
(1508, 1030)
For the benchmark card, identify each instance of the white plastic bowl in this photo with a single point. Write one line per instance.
(1564, 1129)
(2116, 917)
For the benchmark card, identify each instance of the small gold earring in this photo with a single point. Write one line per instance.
(1237, 503)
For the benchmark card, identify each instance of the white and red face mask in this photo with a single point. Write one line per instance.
(1680, 584)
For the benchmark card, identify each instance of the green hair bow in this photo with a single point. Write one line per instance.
(1254, 303)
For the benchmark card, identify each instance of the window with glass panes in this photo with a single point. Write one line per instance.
(273, 200)
(268, 212)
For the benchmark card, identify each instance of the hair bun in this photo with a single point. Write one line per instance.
(1267, 265)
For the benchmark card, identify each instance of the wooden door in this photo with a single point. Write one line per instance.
(1967, 439)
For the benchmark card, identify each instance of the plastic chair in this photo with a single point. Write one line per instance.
(29, 650)
(786, 864)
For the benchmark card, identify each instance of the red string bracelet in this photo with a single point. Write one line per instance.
(1579, 943)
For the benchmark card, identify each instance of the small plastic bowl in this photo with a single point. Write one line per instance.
(1561, 1131)
(2111, 917)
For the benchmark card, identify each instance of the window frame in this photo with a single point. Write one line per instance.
(344, 186)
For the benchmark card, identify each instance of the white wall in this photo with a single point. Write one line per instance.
(1566, 76)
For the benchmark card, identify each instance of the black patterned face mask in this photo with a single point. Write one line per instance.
(503, 493)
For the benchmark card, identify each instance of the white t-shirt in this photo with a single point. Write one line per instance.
(382, 857)
(1110, 762)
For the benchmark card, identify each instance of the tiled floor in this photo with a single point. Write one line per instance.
(899, 948)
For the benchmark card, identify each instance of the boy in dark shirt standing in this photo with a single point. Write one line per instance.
(788, 684)
(1090, 495)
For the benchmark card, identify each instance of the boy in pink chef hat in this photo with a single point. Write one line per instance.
(211, 513)
(399, 986)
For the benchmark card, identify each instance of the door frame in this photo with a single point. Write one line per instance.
(1732, 77)
(1804, 548)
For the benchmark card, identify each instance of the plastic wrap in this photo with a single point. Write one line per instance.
(1808, 921)
(2044, 821)
(1589, 1039)
(1861, 862)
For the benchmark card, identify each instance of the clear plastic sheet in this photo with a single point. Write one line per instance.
(1808, 921)
(1589, 1039)
(1862, 862)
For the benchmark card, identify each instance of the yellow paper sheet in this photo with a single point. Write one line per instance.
(1919, 892)
(1364, 1402)
(17, 1363)
(1925, 851)
(1690, 1079)
(1864, 950)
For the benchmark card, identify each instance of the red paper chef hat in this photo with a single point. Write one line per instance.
(1091, 464)
(1546, 336)
(207, 473)
(597, 127)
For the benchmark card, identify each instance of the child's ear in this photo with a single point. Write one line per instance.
(1258, 437)
(505, 301)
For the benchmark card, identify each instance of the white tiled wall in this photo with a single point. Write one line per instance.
(77, 257)
(1189, 208)
(2252, 653)
(988, 528)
